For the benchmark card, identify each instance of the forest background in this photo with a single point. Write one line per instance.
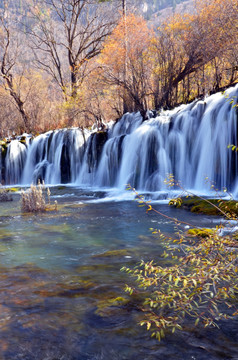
(70, 63)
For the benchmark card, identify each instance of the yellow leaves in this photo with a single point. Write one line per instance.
(127, 42)
(149, 208)
(180, 23)
(197, 321)
(202, 37)
(175, 202)
(233, 147)
(197, 290)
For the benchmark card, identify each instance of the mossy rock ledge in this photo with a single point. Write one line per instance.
(218, 207)
(201, 233)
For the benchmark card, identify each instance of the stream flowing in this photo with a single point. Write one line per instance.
(61, 288)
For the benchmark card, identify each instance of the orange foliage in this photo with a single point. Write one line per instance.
(194, 53)
(188, 56)
(127, 42)
(126, 63)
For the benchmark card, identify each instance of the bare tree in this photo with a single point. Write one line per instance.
(9, 62)
(66, 34)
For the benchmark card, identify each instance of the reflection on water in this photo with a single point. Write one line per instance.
(61, 289)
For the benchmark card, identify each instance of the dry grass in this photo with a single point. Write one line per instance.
(4, 195)
(34, 199)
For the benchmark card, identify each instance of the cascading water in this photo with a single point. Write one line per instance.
(15, 160)
(55, 157)
(190, 142)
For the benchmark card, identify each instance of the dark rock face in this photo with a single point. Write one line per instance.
(65, 165)
(96, 143)
(3, 152)
(100, 139)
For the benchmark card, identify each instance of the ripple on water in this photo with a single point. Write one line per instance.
(61, 289)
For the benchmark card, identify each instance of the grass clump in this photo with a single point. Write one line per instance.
(34, 199)
(4, 194)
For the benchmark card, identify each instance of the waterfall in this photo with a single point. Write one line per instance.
(190, 142)
(15, 161)
(55, 157)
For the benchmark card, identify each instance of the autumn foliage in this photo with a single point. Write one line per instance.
(125, 62)
(188, 56)
(124, 65)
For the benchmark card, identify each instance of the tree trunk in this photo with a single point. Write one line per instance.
(19, 103)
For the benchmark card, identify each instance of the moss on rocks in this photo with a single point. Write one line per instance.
(13, 189)
(209, 206)
(3, 145)
(200, 232)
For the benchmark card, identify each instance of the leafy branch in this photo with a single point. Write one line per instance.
(199, 283)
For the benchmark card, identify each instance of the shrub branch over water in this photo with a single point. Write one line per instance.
(199, 281)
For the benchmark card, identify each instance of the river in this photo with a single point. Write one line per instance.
(60, 281)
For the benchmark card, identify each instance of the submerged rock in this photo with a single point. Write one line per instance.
(108, 307)
(113, 253)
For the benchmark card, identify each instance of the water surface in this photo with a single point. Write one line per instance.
(60, 278)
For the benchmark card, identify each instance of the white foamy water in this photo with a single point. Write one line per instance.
(190, 142)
